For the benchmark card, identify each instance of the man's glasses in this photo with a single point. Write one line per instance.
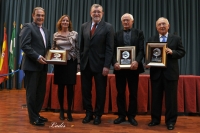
(162, 24)
(98, 12)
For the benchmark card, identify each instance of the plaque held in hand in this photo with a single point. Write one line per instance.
(56, 57)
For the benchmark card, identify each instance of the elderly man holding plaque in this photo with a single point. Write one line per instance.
(165, 78)
(128, 37)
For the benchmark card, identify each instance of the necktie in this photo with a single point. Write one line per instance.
(43, 36)
(163, 38)
(93, 30)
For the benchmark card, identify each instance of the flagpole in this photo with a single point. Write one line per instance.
(14, 52)
(20, 73)
(14, 25)
(4, 59)
(12, 57)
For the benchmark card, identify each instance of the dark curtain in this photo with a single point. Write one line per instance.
(183, 16)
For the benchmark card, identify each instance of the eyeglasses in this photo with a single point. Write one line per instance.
(98, 12)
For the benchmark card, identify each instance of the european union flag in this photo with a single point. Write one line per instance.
(21, 72)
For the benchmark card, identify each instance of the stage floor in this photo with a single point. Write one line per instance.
(14, 119)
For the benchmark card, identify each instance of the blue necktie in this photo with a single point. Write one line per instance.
(163, 38)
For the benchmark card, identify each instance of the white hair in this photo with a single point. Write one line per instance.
(162, 18)
(131, 16)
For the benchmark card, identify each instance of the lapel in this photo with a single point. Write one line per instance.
(39, 33)
(169, 39)
(46, 36)
(132, 36)
(157, 38)
(121, 38)
(87, 29)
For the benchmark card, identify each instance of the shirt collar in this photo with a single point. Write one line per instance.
(166, 35)
(38, 25)
(96, 23)
(127, 30)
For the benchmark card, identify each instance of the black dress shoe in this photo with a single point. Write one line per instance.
(69, 117)
(153, 123)
(42, 119)
(97, 120)
(37, 123)
(119, 120)
(62, 118)
(132, 121)
(170, 127)
(87, 119)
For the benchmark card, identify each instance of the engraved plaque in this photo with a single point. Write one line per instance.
(125, 56)
(56, 57)
(155, 54)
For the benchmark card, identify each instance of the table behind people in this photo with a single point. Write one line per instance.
(77, 105)
(187, 95)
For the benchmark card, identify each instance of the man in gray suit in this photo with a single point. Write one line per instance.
(35, 41)
(165, 79)
(96, 50)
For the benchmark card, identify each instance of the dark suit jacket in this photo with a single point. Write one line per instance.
(32, 44)
(98, 49)
(171, 72)
(137, 40)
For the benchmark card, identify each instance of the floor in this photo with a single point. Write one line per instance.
(14, 119)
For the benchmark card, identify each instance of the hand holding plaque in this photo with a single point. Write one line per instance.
(56, 57)
(155, 54)
(125, 56)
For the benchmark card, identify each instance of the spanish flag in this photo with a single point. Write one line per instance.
(4, 59)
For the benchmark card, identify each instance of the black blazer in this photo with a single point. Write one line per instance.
(32, 44)
(137, 40)
(98, 49)
(171, 72)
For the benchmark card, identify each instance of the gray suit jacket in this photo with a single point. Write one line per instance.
(32, 44)
(98, 49)
(171, 72)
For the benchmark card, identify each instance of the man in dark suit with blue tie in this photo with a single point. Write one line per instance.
(96, 50)
(35, 41)
(165, 79)
(128, 37)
